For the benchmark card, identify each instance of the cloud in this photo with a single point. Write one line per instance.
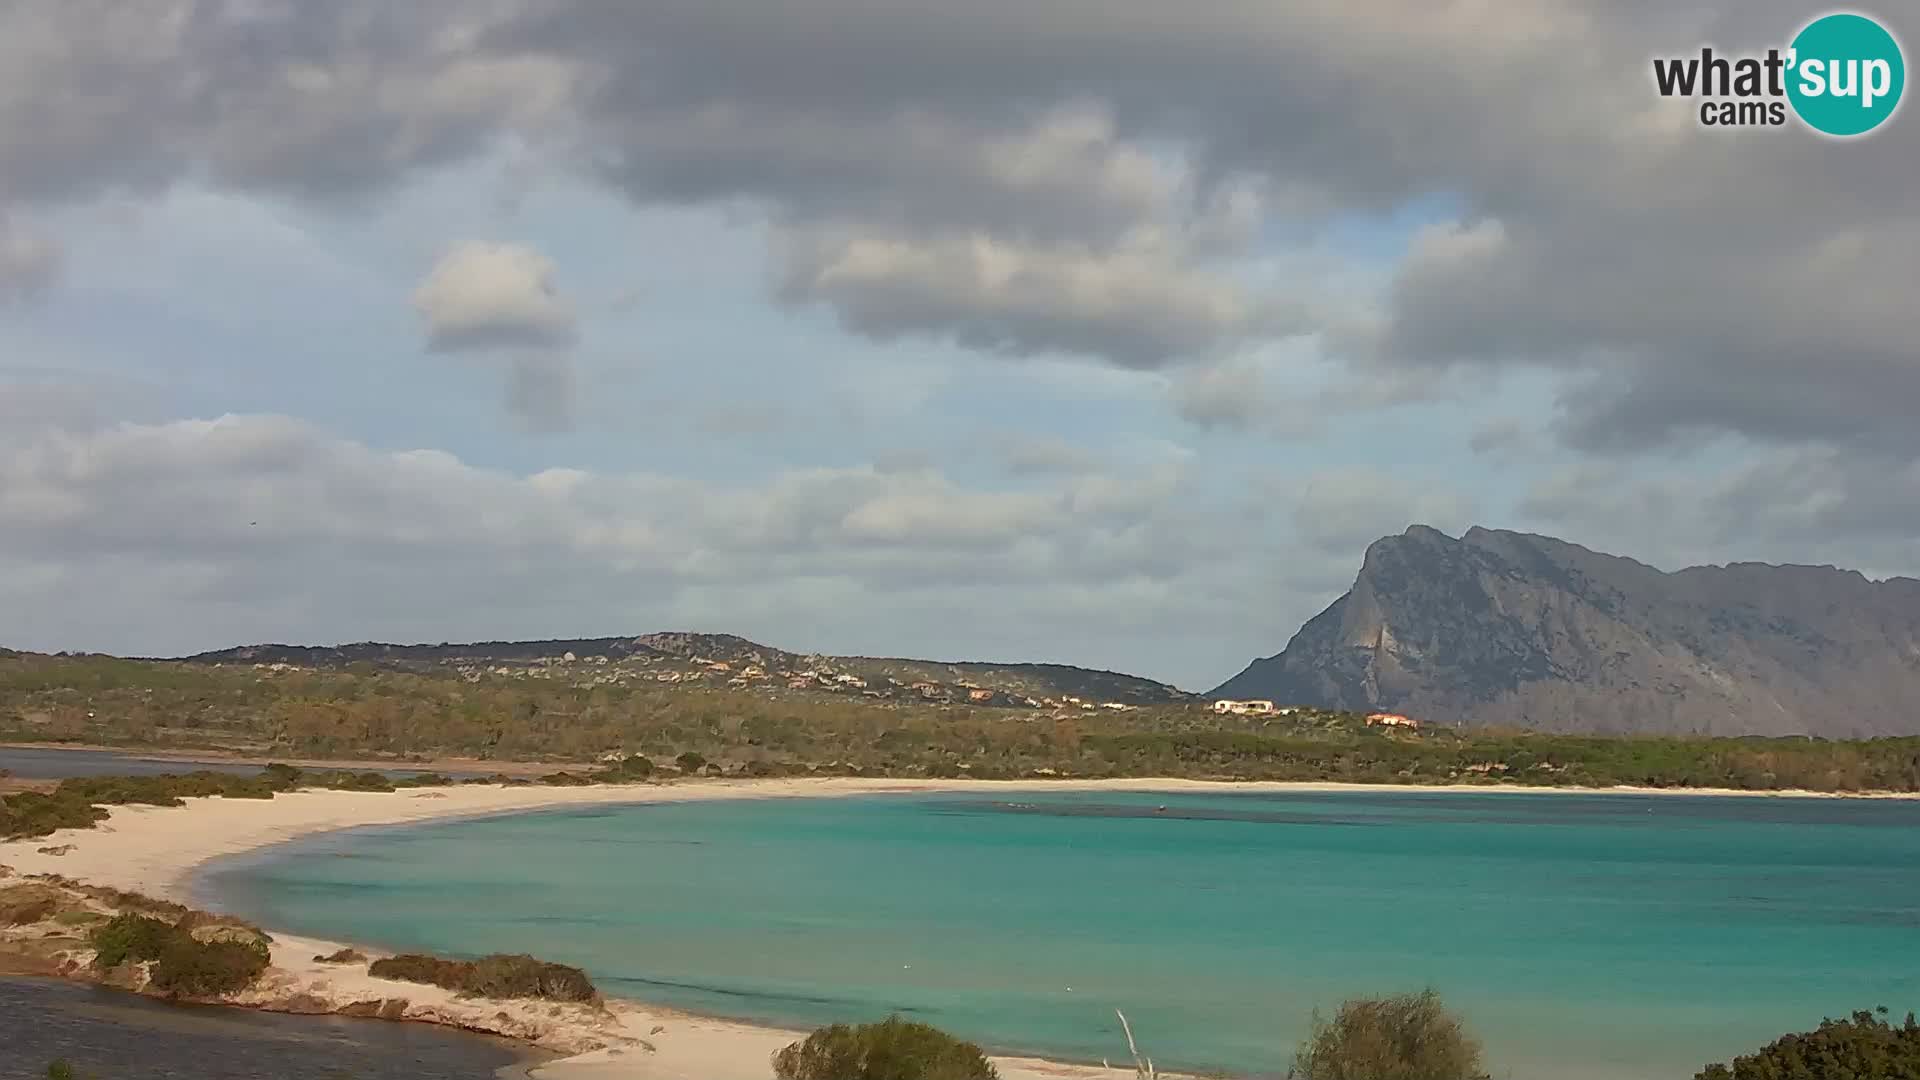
(1045, 455)
(541, 392)
(1680, 281)
(29, 261)
(1340, 511)
(1849, 508)
(1225, 395)
(499, 301)
(328, 102)
(1138, 308)
(492, 296)
(160, 538)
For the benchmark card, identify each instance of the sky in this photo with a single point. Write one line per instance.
(1104, 332)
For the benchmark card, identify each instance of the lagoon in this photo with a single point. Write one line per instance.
(1584, 936)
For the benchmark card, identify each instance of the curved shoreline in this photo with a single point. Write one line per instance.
(163, 851)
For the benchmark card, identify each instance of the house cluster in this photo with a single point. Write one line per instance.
(753, 670)
(1392, 720)
(1253, 707)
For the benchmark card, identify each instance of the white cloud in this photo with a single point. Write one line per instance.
(486, 296)
(162, 538)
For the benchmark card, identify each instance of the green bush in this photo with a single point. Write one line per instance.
(1407, 1037)
(363, 781)
(427, 779)
(894, 1049)
(34, 813)
(1865, 1047)
(183, 964)
(566, 779)
(690, 762)
(130, 937)
(204, 969)
(207, 968)
(497, 976)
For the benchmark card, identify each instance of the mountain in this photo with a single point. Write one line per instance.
(725, 659)
(1505, 628)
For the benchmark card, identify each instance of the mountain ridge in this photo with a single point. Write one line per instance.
(1509, 628)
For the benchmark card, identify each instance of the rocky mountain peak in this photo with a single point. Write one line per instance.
(1501, 627)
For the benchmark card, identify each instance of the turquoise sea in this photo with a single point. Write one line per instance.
(1583, 936)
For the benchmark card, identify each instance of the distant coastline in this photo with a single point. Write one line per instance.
(161, 852)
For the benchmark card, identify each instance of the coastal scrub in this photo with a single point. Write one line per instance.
(497, 976)
(893, 1049)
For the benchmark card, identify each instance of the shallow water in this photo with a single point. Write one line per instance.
(109, 1035)
(1583, 936)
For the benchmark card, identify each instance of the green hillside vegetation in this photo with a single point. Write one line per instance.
(369, 712)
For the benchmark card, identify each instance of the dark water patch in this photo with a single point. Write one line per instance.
(768, 996)
(118, 1036)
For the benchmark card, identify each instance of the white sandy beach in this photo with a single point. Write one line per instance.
(158, 850)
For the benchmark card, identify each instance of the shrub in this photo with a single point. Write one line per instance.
(342, 956)
(496, 976)
(363, 781)
(690, 762)
(894, 1049)
(28, 913)
(426, 779)
(183, 964)
(1407, 1037)
(206, 968)
(1865, 1047)
(129, 937)
(29, 902)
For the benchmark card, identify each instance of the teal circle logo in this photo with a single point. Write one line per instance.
(1846, 74)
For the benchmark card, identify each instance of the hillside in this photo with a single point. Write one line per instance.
(1515, 629)
(727, 660)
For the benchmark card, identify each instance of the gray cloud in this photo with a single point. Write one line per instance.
(541, 393)
(921, 157)
(1604, 231)
(1849, 508)
(1138, 308)
(325, 101)
(1341, 511)
(28, 261)
(1044, 455)
(1226, 395)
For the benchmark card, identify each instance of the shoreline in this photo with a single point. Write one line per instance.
(163, 852)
